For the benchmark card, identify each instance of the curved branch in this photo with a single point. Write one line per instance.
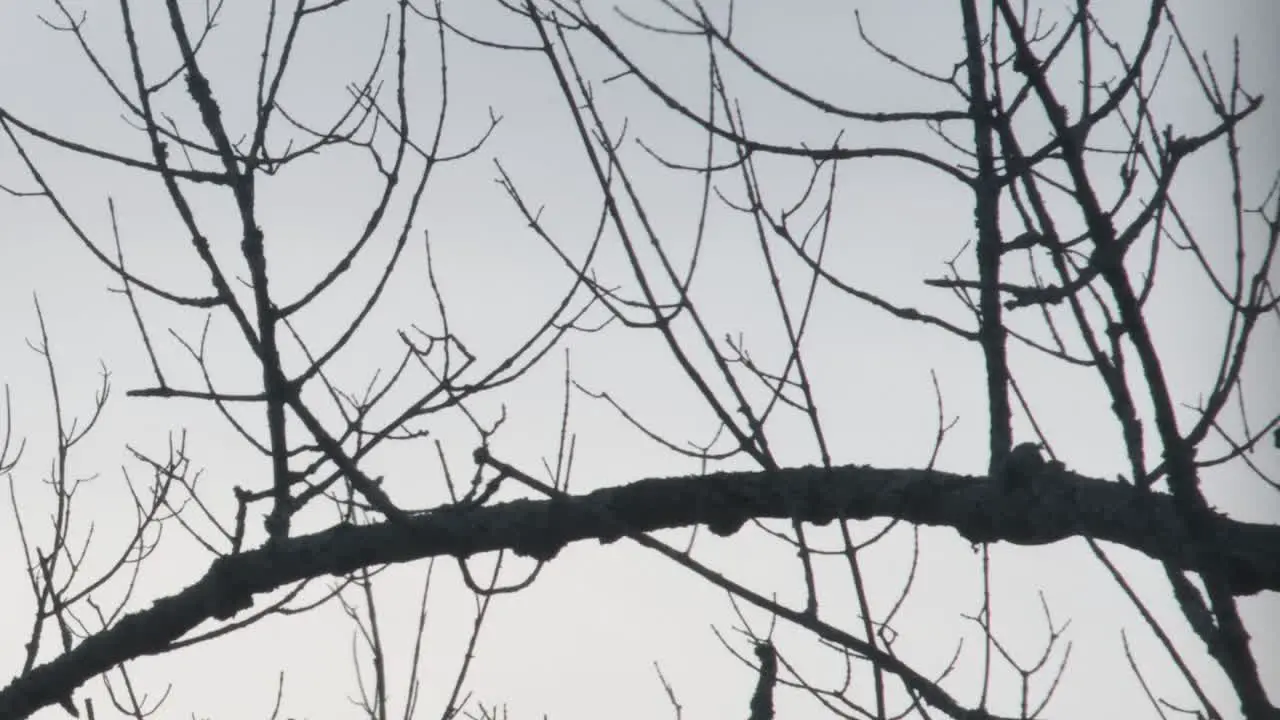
(1058, 505)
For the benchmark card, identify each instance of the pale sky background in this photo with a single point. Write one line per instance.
(583, 640)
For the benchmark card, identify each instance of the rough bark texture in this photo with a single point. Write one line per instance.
(1057, 504)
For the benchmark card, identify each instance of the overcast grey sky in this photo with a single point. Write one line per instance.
(583, 640)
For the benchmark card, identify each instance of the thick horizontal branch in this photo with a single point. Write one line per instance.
(1053, 506)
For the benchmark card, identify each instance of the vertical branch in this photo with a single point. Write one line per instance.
(241, 181)
(762, 698)
(986, 215)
